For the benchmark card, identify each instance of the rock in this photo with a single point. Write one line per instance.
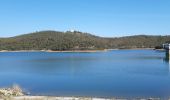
(14, 91)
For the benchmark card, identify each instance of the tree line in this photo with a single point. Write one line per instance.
(54, 40)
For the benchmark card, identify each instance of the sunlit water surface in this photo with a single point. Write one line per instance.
(118, 73)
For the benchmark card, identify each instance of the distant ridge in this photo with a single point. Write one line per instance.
(59, 41)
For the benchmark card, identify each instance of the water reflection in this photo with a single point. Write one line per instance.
(167, 60)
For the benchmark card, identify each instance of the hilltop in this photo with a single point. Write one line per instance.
(56, 41)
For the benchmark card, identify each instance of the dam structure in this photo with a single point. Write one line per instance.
(166, 46)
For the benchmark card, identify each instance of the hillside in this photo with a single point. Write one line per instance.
(53, 40)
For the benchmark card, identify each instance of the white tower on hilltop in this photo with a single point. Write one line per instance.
(72, 30)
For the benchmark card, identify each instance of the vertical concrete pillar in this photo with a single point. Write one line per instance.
(167, 54)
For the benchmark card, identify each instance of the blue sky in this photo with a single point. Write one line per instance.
(107, 18)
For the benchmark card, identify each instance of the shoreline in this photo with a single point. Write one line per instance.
(66, 51)
(78, 98)
(78, 51)
(16, 93)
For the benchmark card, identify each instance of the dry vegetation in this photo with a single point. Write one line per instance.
(60, 41)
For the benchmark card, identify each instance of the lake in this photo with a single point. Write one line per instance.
(117, 73)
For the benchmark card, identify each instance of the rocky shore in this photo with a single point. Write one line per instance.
(6, 93)
(74, 98)
(16, 93)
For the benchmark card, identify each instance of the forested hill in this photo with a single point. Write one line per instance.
(53, 40)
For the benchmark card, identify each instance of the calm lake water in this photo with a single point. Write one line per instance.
(120, 73)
